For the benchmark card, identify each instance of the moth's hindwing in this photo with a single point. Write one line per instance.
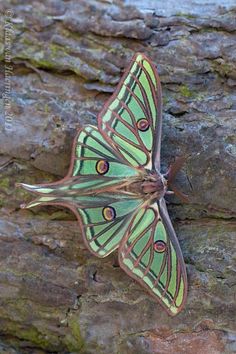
(105, 221)
(150, 256)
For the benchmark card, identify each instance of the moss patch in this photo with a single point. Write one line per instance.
(74, 341)
(182, 14)
(185, 91)
(4, 184)
(33, 335)
(223, 68)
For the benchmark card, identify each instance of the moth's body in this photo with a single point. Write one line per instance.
(115, 188)
(149, 185)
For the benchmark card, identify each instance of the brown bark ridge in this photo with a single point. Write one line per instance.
(66, 58)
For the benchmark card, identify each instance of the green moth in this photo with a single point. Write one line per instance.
(115, 188)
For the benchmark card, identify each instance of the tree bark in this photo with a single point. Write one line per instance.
(66, 59)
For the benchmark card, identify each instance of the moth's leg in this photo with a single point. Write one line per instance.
(183, 197)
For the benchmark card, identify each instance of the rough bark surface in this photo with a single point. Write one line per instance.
(67, 57)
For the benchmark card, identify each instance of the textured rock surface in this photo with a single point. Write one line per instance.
(67, 59)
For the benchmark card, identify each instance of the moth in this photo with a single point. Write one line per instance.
(116, 190)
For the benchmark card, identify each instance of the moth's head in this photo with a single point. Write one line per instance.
(163, 185)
